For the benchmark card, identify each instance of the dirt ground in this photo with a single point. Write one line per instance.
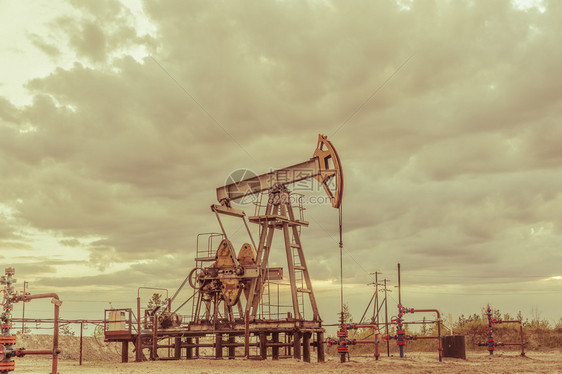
(535, 362)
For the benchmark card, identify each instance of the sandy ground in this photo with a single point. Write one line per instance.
(535, 362)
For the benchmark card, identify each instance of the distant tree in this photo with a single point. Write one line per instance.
(461, 322)
(156, 301)
(536, 321)
(496, 314)
(347, 317)
(535, 314)
(424, 327)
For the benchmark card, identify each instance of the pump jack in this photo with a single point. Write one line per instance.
(222, 276)
(230, 275)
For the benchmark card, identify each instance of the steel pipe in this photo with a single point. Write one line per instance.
(55, 352)
(21, 352)
(412, 310)
(375, 342)
(401, 336)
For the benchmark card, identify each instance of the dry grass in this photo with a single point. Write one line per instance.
(100, 357)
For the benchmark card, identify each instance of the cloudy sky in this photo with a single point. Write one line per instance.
(119, 119)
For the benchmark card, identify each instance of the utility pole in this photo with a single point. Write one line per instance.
(23, 310)
(376, 306)
(386, 318)
(81, 334)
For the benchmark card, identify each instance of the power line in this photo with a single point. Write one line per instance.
(478, 276)
(515, 293)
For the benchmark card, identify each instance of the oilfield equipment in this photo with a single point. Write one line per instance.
(401, 337)
(490, 343)
(235, 300)
(377, 308)
(7, 339)
(343, 342)
(232, 296)
(39, 324)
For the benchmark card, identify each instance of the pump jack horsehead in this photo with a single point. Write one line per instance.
(232, 275)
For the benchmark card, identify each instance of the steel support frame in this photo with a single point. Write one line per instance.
(269, 343)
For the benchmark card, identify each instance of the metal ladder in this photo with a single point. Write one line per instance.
(299, 279)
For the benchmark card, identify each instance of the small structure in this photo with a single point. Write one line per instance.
(454, 346)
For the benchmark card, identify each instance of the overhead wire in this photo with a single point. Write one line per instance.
(186, 301)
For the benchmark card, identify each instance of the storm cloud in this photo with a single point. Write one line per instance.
(446, 116)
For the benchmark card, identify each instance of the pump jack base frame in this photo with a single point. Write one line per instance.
(286, 338)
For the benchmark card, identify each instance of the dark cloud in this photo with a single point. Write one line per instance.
(452, 167)
(44, 46)
(25, 270)
(90, 42)
(8, 112)
(163, 271)
(70, 242)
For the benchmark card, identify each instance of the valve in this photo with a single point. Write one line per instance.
(20, 352)
(400, 337)
(403, 310)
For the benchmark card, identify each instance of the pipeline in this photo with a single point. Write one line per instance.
(438, 337)
(401, 337)
(343, 342)
(490, 343)
(7, 341)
